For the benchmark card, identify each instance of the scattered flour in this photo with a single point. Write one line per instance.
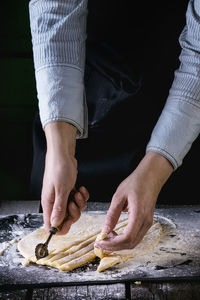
(5, 245)
(25, 262)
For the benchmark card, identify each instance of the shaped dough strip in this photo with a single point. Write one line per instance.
(81, 245)
(53, 257)
(107, 262)
(68, 244)
(121, 224)
(71, 257)
(78, 262)
(76, 246)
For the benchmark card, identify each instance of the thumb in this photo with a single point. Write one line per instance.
(59, 210)
(112, 215)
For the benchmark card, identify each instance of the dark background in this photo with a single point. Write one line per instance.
(18, 101)
(157, 29)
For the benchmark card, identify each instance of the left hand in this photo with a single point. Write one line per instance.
(137, 195)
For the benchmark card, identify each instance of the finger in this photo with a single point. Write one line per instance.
(47, 201)
(73, 215)
(125, 240)
(130, 238)
(73, 211)
(143, 230)
(80, 200)
(65, 227)
(135, 222)
(84, 192)
(119, 242)
(110, 236)
(59, 209)
(112, 215)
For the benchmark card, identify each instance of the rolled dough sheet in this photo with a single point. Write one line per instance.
(76, 248)
(81, 234)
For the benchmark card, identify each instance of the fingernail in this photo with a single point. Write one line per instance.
(55, 222)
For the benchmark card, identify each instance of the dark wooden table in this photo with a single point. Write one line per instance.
(147, 289)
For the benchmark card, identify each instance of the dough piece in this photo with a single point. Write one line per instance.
(78, 262)
(150, 240)
(68, 251)
(67, 258)
(99, 251)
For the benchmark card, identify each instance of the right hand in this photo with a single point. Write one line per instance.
(60, 177)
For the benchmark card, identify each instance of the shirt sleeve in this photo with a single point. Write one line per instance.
(179, 122)
(58, 29)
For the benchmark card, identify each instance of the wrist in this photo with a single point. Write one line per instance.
(160, 164)
(155, 170)
(61, 137)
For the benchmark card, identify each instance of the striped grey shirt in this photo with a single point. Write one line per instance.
(58, 29)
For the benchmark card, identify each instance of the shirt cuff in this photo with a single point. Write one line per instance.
(176, 129)
(61, 96)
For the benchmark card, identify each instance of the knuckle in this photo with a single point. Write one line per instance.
(72, 206)
(110, 217)
(58, 209)
(116, 197)
(74, 210)
(80, 203)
